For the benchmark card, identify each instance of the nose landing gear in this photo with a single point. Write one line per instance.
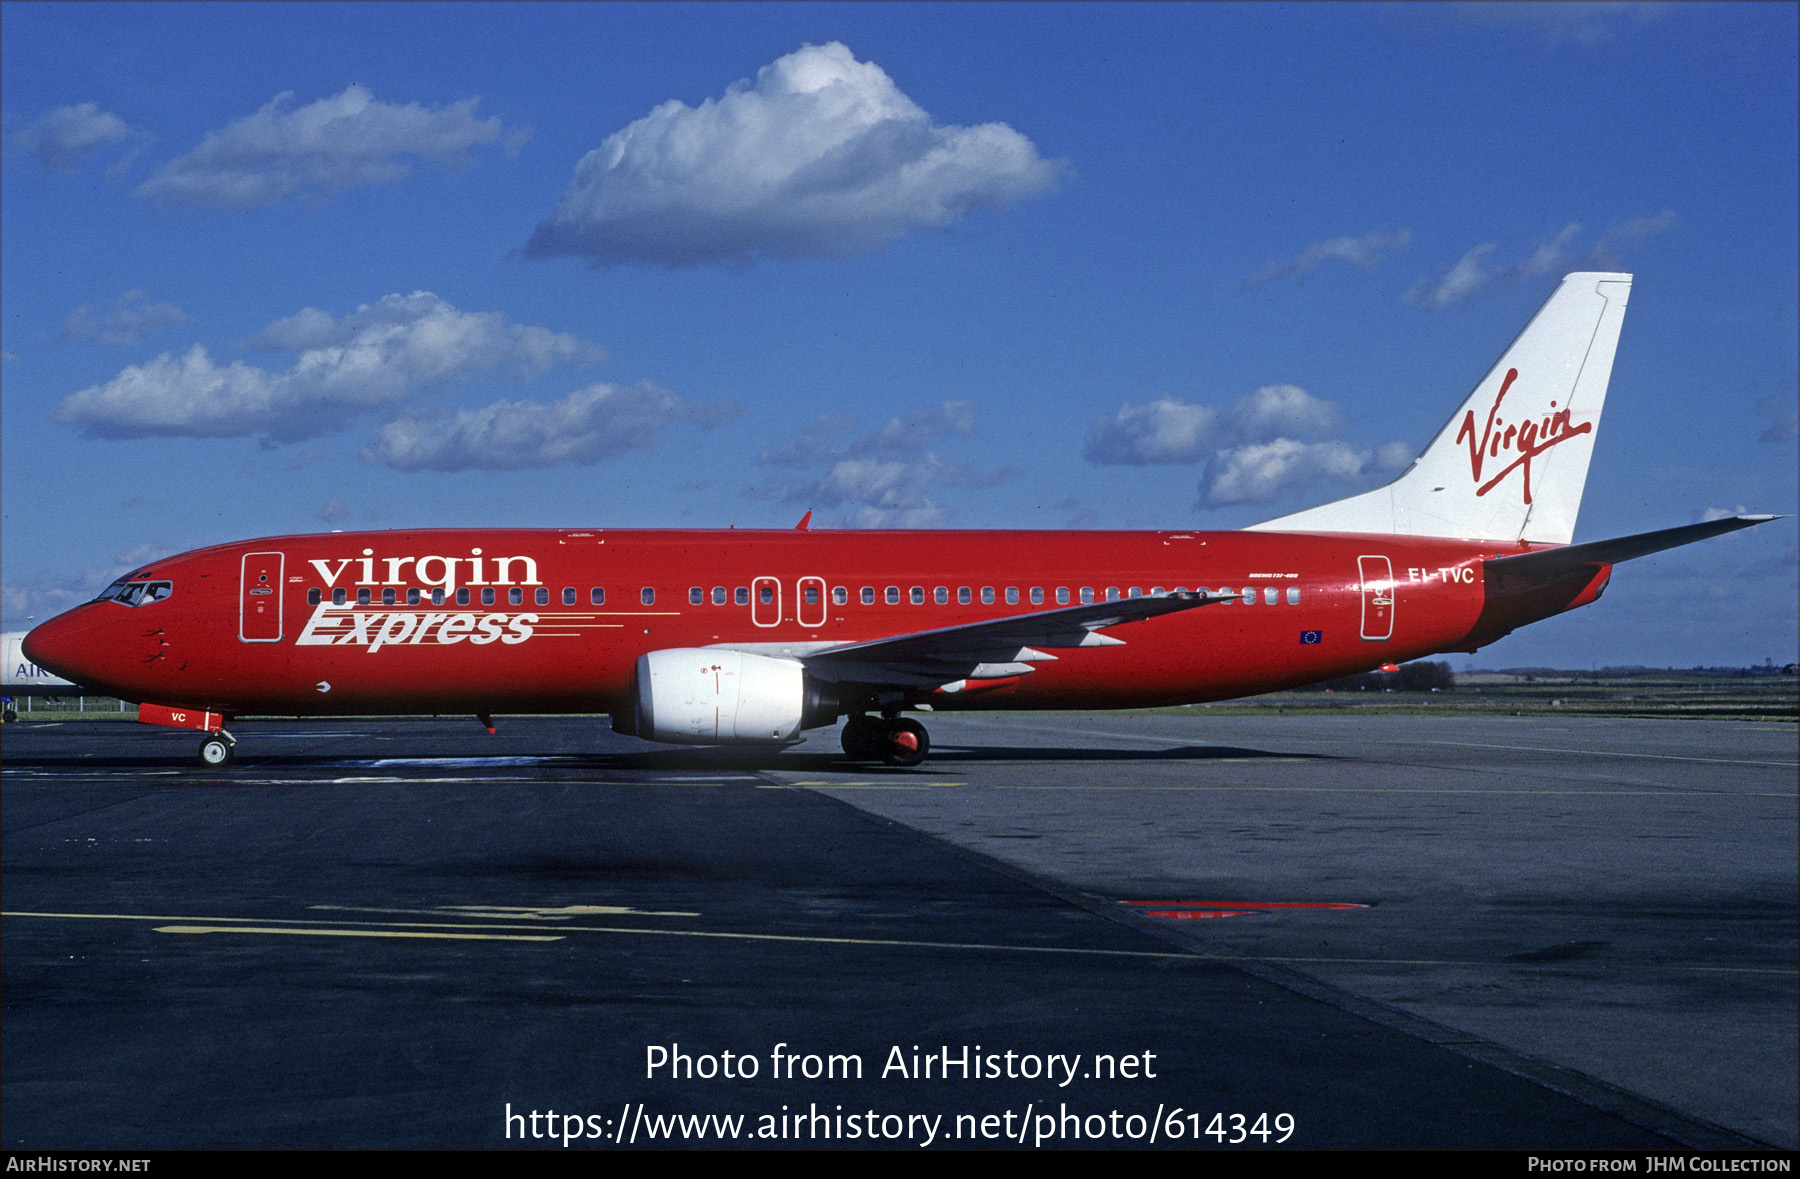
(898, 741)
(218, 749)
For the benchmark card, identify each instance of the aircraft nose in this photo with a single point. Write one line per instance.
(57, 646)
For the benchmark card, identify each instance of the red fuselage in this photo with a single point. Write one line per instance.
(494, 621)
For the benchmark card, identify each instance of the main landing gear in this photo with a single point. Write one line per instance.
(898, 741)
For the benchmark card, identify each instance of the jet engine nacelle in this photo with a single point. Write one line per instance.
(702, 696)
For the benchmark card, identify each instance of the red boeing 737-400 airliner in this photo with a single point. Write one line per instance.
(741, 637)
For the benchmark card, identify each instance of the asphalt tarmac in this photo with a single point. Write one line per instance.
(410, 933)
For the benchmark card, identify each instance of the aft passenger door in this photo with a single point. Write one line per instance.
(1377, 598)
(259, 598)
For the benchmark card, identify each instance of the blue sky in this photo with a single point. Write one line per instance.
(284, 268)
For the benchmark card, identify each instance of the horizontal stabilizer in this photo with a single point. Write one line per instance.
(1553, 563)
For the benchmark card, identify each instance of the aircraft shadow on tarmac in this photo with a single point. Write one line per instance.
(423, 761)
(942, 755)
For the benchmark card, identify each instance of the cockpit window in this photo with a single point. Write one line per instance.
(136, 593)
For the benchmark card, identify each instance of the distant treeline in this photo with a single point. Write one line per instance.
(1619, 673)
(1411, 677)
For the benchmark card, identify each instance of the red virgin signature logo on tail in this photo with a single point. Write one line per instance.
(1527, 441)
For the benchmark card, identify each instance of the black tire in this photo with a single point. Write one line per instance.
(861, 737)
(215, 751)
(905, 742)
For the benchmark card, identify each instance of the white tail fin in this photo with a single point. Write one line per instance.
(1512, 462)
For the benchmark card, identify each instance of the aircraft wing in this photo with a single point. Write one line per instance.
(1550, 564)
(998, 649)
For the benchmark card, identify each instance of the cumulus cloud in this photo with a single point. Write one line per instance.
(130, 319)
(883, 479)
(1549, 255)
(1166, 430)
(1552, 255)
(819, 155)
(1269, 470)
(1578, 22)
(345, 141)
(1169, 430)
(63, 136)
(1456, 284)
(588, 425)
(1270, 443)
(1279, 410)
(1633, 228)
(1783, 415)
(372, 357)
(1608, 252)
(1362, 252)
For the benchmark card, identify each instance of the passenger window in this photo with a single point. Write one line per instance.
(487, 596)
(839, 595)
(437, 597)
(741, 595)
(987, 595)
(1112, 593)
(568, 595)
(313, 596)
(1012, 595)
(696, 596)
(1134, 592)
(811, 595)
(542, 596)
(1293, 595)
(412, 597)
(337, 596)
(963, 597)
(941, 596)
(718, 595)
(362, 597)
(1062, 595)
(868, 595)
(515, 596)
(918, 595)
(462, 597)
(1037, 595)
(1270, 593)
(1249, 595)
(1087, 594)
(893, 595)
(648, 596)
(765, 594)
(387, 597)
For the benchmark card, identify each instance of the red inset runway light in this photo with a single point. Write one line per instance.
(1191, 910)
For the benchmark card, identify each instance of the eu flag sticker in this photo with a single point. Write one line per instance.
(1309, 637)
